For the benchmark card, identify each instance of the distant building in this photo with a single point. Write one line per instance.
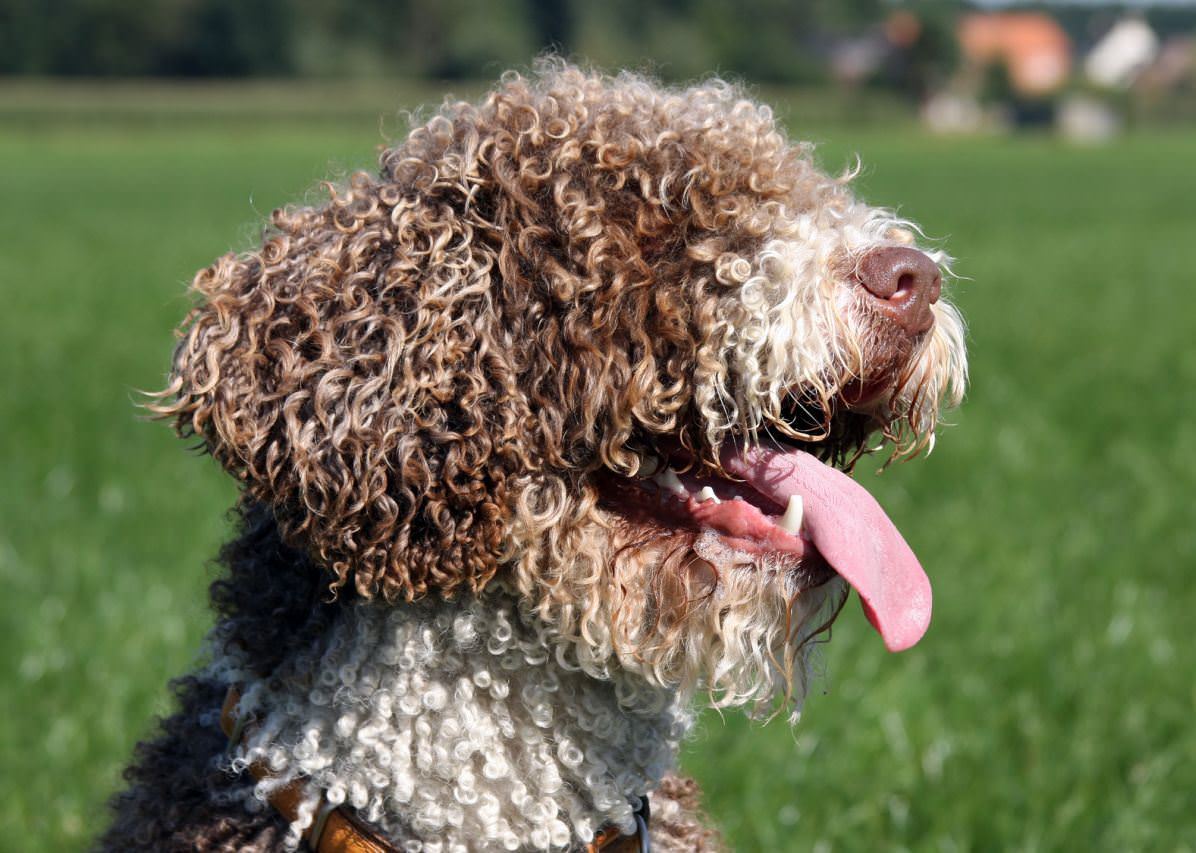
(1031, 46)
(1125, 51)
(1174, 67)
(856, 59)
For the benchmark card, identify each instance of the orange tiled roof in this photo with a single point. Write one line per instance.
(1033, 46)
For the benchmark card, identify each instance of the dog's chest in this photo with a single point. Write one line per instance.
(466, 722)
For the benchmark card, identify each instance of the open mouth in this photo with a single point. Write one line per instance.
(782, 500)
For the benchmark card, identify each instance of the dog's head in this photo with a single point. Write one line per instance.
(605, 340)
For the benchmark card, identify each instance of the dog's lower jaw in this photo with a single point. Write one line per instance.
(459, 725)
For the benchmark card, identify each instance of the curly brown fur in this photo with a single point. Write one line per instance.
(525, 286)
(459, 373)
(271, 599)
(678, 824)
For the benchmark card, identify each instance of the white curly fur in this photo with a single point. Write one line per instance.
(474, 725)
(460, 725)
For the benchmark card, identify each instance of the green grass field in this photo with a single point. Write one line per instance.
(1050, 707)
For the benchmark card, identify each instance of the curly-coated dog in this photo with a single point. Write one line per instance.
(541, 434)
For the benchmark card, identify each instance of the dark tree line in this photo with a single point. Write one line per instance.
(783, 41)
(765, 40)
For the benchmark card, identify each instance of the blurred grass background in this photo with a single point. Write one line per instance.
(1050, 706)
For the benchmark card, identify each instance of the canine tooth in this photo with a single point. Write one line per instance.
(707, 494)
(649, 465)
(791, 521)
(668, 479)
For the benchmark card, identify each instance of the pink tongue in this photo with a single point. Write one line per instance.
(851, 531)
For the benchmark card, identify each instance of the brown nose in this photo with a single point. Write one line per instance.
(905, 283)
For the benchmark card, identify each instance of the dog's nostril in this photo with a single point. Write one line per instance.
(906, 283)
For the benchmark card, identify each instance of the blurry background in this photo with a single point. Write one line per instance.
(1052, 148)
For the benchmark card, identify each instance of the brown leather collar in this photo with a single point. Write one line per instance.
(337, 830)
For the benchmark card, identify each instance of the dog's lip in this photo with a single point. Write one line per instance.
(740, 514)
(745, 520)
(859, 395)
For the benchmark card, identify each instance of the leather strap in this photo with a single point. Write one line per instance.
(337, 830)
(334, 830)
(610, 840)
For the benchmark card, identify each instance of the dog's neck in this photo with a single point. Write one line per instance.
(467, 722)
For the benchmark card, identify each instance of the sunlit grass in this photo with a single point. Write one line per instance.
(1050, 705)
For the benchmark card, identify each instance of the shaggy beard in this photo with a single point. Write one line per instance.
(724, 627)
(681, 610)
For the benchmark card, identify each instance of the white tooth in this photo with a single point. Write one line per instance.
(707, 494)
(737, 498)
(668, 479)
(649, 465)
(791, 521)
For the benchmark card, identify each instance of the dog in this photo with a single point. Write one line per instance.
(542, 435)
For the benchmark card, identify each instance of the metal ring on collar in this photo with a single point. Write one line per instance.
(645, 840)
(317, 827)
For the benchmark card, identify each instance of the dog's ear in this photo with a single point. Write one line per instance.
(344, 372)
